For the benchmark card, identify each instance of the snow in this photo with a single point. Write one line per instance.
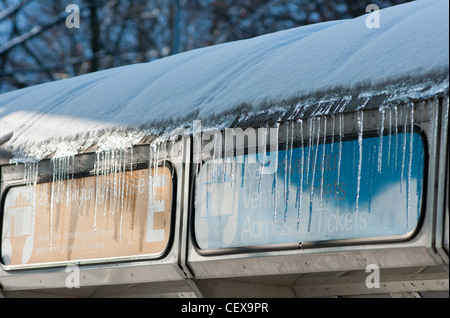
(232, 78)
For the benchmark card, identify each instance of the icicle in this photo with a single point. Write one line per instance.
(323, 159)
(120, 193)
(115, 164)
(215, 159)
(308, 163)
(298, 123)
(115, 174)
(152, 168)
(58, 179)
(381, 135)
(233, 161)
(243, 172)
(291, 153)
(286, 164)
(113, 197)
(446, 111)
(156, 170)
(124, 179)
(97, 185)
(121, 171)
(396, 135)
(390, 135)
(61, 177)
(197, 158)
(300, 187)
(66, 175)
(62, 174)
(264, 137)
(341, 132)
(333, 120)
(227, 157)
(165, 154)
(405, 123)
(129, 186)
(314, 166)
(111, 184)
(154, 155)
(30, 178)
(52, 201)
(292, 130)
(371, 173)
(172, 149)
(210, 172)
(422, 110)
(69, 176)
(360, 115)
(106, 177)
(411, 143)
(420, 182)
(114, 190)
(275, 178)
(286, 154)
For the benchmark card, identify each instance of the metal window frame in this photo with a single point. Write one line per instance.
(101, 260)
(127, 271)
(415, 251)
(314, 244)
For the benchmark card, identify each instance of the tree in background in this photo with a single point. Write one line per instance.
(36, 46)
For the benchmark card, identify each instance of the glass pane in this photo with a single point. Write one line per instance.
(87, 219)
(347, 190)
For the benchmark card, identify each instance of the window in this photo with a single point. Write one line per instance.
(368, 188)
(88, 219)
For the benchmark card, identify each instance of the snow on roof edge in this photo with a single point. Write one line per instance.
(227, 82)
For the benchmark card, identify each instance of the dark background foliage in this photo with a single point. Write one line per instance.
(36, 46)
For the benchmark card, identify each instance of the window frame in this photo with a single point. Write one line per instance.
(102, 260)
(316, 244)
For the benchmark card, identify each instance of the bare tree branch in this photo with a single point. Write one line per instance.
(8, 46)
(13, 10)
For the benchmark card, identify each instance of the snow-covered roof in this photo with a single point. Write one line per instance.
(217, 84)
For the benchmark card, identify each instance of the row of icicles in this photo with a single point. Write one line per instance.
(316, 131)
(111, 165)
